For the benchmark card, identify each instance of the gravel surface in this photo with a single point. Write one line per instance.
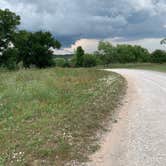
(139, 137)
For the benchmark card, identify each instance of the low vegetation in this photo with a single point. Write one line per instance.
(146, 66)
(50, 116)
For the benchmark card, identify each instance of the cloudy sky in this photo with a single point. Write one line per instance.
(85, 22)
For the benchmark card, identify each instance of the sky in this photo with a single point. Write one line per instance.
(86, 22)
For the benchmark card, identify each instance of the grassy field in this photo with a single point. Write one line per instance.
(146, 66)
(51, 116)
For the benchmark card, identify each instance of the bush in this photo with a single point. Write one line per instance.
(72, 62)
(89, 60)
(9, 58)
(61, 62)
(158, 56)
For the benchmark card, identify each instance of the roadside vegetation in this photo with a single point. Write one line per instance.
(146, 66)
(51, 116)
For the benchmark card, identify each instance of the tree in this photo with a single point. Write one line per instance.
(79, 56)
(21, 40)
(8, 25)
(141, 54)
(125, 54)
(35, 48)
(132, 54)
(107, 52)
(158, 56)
(122, 53)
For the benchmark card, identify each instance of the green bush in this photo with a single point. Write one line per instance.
(9, 58)
(89, 60)
(61, 62)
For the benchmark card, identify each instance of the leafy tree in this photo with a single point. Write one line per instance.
(34, 48)
(158, 56)
(121, 53)
(107, 52)
(21, 42)
(79, 56)
(141, 54)
(125, 54)
(8, 25)
(132, 54)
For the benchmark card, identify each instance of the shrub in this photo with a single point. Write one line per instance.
(9, 58)
(72, 62)
(61, 62)
(89, 60)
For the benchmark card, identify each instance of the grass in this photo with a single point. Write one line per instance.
(146, 66)
(51, 116)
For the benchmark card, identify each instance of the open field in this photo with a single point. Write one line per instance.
(146, 66)
(50, 117)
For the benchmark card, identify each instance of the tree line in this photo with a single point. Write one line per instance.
(108, 54)
(28, 49)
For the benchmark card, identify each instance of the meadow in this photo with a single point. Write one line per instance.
(52, 116)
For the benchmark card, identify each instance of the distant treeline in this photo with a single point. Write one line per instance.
(109, 54)
(35, 49)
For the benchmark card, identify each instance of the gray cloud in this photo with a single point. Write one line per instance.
(76, 19)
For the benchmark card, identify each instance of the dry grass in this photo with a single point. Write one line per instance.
(50, 117)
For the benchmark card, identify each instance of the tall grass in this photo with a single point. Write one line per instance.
(50, 117)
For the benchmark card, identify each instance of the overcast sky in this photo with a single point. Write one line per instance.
(85, 22)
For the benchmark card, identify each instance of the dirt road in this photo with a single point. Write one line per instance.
(139, 137)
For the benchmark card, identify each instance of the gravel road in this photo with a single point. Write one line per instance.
(139, 137)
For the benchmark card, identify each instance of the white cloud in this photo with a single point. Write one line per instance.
(90, 45)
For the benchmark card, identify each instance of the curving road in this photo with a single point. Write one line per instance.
(139, 137)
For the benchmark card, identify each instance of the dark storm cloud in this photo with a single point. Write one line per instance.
(75, 19)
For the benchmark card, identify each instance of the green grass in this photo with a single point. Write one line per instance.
(146, 66)
(51, 116)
